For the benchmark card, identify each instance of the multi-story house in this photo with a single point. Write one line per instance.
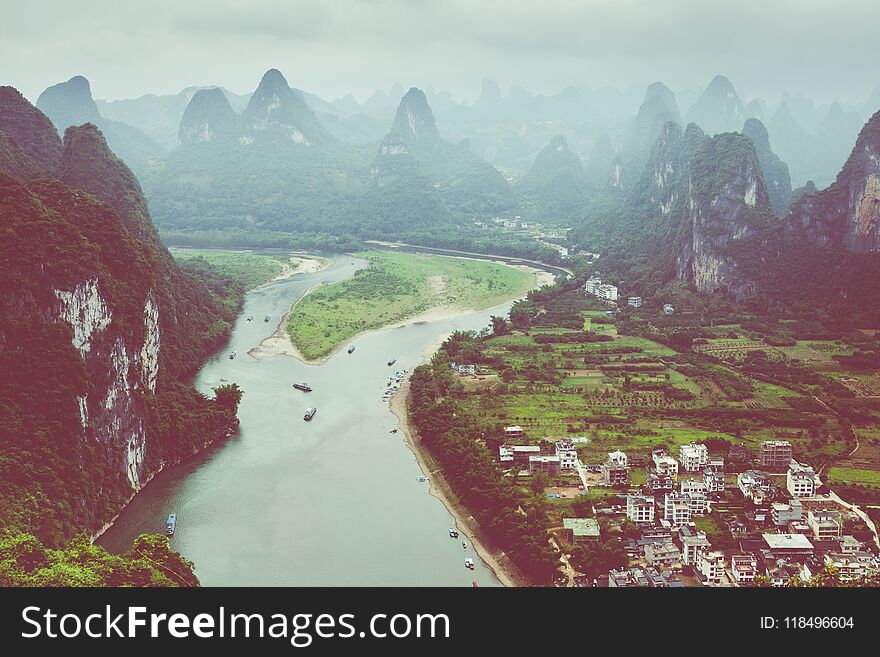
(694, 457)
(565, 450)
(775, 455)
(640, 509)
(800, 480)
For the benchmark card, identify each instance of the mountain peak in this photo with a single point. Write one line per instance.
(414, 121)
(275, 109)
(207, 117)
(719, 108)
(89, 164)
(69, 103)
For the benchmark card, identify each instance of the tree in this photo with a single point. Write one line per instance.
(500, 326)
(229, 396)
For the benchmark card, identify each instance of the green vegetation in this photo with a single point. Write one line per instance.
(855, 476)
(249, 269)
(25, 561)
(393, 287)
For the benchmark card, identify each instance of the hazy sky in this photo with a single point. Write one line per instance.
(827, 49)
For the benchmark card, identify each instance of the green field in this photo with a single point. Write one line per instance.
(855, 476)
(396, 286)
(249, 269)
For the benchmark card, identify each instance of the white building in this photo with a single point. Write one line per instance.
(618, 458)
(694, 457)
(744, 568)
(783, 513)
(824, 524)
(800, 480)
(663, 463)
(640, 509)
(693, 546)
(635, 302)
(710, 567)
(668, 309)
(568, 456)
(677, 509)
(692, 486)
(665, 555)
(754, 484)
(714, 481)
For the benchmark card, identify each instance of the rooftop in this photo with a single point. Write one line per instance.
(787, 542)
(583, 527)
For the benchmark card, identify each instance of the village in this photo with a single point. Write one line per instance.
(783, 526)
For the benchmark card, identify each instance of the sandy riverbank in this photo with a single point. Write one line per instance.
(503, 568)
(280, 344)
(301, 265)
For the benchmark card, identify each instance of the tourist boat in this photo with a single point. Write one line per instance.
(170, 525)
(350, 348)
(310, 413)
(232, 355)
(469, 563)
(395, 430)
(422, 479)
(464, 545)
(391, 362)
(251, 318)
(453, 533)
(267, 318)
(305, 387)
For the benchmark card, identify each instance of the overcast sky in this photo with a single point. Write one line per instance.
(826, 49)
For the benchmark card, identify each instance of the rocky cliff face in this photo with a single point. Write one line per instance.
(847, 214)
(775, 171)
(29, 132)
(414, 121)
(556, 181)
(96, 324)
(726, 203)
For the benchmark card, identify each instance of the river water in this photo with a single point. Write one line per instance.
(331, 502)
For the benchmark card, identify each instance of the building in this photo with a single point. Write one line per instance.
(597, 288)
(692, 546)
(659, 483)
(544, 463)
(714, 481)
(664, 463)
(825, 525)
(568, 456)
(694, 457)
(513, 433)
(665, 555)
(643, 577)
(517, 453)
(800, 480)
(850, 544)
(715, 464)
(754, 485)
(640, 509)
(786, 545)
(618, 458)
(785, 513)
(634, 302)
(852, 566)
(692, 486)
(743, 568)
(710, 568)
(677, 509)
(614, 475)
(775, 455)
(698, 503)
(668, 309)
(581, 528)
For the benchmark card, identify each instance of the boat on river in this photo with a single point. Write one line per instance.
(251, 318)
(232, 355)
(453, 533)
(170, 525)
(469, 563)
(267, 318)
(350, 348)
(310, 413)
(305, 387)
(391, 362)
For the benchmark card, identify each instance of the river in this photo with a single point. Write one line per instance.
(331, 502)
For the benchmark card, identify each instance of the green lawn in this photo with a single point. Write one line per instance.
(396, 286)
(855, 476)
